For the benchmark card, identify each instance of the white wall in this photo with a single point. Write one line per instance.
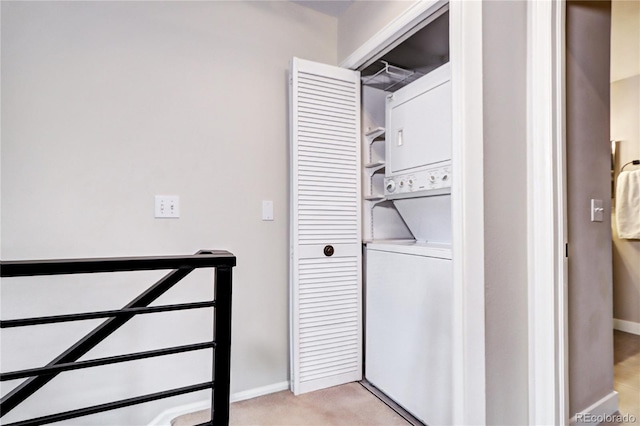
(625, 39)
(104, 105)
(625, 110)
(363, 20)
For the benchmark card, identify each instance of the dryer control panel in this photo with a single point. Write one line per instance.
(433, 181)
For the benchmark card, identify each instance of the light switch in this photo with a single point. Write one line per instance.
(597, 211)
(267, 210)
(167, 206)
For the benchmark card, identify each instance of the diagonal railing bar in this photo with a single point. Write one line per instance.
(84, 345)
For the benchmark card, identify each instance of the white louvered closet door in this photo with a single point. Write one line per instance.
(326, 255)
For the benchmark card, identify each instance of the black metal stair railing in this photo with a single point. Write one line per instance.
(222, 261)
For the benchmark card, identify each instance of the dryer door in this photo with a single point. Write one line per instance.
(419, 123)
(326, 255)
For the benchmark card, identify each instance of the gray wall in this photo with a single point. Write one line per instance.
(588, 171)
(106, 104)
(505, 210)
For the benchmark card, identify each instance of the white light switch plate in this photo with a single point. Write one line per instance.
(597, 210)
(167, 206)
(267, 210)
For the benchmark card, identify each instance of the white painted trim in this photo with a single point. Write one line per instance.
(256, 392)
(562, 270)
(547, 272)
(598, 412)
(165, 417)
(413, 15)
(626, 326)
(467, 196)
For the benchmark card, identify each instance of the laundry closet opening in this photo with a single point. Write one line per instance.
(407, 228)
(371, 225)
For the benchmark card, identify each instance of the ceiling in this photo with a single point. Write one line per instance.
(328, 7)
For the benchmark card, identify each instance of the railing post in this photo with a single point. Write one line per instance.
(222, 351)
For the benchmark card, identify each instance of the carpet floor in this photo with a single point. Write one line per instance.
(627, 372)
(348, 405)
(353, 405)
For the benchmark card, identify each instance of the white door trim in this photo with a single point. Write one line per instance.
(547, 271)
(469, 390)
(467, 196)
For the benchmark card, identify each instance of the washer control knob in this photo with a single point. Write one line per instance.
(410, 181)
(445, 176)
(432, 178)
(391, 186)
(401, 184)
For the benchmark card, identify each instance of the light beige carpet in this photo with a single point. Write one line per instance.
(348, 404)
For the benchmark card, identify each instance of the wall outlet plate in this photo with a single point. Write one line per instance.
(267, 210)
(167, 206)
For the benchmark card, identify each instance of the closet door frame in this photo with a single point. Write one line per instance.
(467, 194)
(547, 214)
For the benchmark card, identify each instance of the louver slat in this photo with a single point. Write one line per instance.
(326, 291)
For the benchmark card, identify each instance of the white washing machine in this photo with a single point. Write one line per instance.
(409, 301)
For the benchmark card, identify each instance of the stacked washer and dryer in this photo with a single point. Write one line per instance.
(409, 296)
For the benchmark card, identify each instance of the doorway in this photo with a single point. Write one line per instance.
(625, 136)
(596, 267)
(468, 226)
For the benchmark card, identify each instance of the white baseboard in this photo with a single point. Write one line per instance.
(164, 418)
(256, 392)
(626, 326)
(599, 412)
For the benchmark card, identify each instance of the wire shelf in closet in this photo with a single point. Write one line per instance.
(390, 77)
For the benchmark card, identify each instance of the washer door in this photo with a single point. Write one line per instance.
(409, 332)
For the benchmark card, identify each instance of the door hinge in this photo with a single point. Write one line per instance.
(566, 250)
